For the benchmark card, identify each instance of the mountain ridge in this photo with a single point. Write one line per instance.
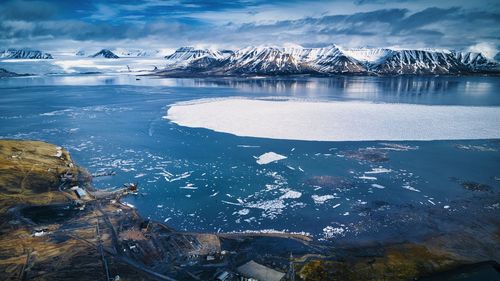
(24, 53)
(330, 60)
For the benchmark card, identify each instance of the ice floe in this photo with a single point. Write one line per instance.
(330, 232)
(410, 188)
(322, 199)
(269, 157)
(338, 121)
(378, 186)
(291, 194)
(243, 212)
(367, 178)
(178, 177)
(379, 170)
(189, 186)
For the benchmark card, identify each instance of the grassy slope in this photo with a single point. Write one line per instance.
(30, 172)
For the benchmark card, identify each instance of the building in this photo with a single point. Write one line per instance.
(80, 192)
(223, 276)
(260, 272)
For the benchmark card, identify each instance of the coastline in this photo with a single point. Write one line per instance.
(45, 222)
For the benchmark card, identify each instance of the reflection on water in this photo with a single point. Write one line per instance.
(407, 89)
(427, 90)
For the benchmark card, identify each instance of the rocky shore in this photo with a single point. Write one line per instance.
(55, 226)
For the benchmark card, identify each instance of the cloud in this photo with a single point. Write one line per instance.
(489, 50)
(425, 17)
(27, 10)
(172, 23)
(104, 12)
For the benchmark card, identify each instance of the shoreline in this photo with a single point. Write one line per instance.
(108, 238)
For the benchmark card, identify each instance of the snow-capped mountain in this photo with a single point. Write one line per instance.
(368, 56)
(333, 60)
(418, 62)
(105, 53)
(272, 60)
(262, 60)
(190, 57)
(135, 52)
(24, 53)
(473, 59)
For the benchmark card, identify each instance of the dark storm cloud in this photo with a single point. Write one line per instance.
(392, 26)
(337, 22)
(27, 10)
(425, 17)
(242, 22)
(396, 20)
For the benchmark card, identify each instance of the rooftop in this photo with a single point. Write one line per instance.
(260, 272)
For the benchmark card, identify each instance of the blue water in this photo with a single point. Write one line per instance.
(214, 183)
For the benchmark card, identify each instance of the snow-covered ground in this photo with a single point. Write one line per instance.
(71, 64)
(337, 121)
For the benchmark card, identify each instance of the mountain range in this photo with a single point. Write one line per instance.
(119, 52)
(24, 53)
(270, 60)
(295, 60)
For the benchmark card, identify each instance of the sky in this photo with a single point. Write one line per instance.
(69, 25)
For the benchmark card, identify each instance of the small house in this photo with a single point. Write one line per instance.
(80, 192)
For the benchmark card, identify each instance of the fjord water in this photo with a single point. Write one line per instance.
(199, 180)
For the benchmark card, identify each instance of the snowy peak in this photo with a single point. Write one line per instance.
(263, 60)
(24, 53)
(366, 55)
(334, 60)
(471, 58)
(135, 52)
(189, 55)
(105, 53)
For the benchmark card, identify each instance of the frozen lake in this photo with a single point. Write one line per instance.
(199, 179)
